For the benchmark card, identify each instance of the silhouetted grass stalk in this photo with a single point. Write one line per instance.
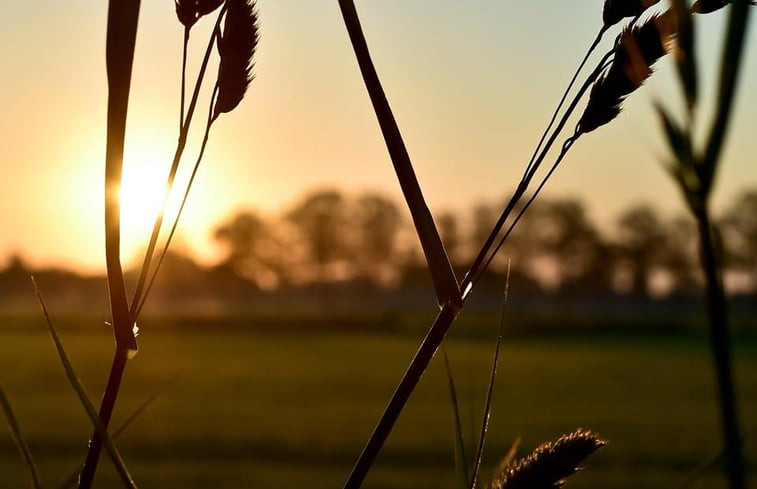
(175, 223)
(70, 480)
(718, 320)
(604, 105)
(122, 21)
(490, 388)
(180, 146)
(100, 425)
(445, 283)
(694, 171)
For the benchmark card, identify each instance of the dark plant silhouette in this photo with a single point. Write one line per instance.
(236, 45)
(551, 463)
(694, 170)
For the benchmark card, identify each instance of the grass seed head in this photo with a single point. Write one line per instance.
(236, 47)
(549, 465)
(616, 10)
(190, 11)
(640, 46)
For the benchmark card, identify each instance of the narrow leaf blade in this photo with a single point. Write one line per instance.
(81, 393)
(461, 466)
(18, 438)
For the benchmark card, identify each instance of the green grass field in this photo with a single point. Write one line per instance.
(266, 410)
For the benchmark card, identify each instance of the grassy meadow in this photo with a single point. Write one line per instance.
(261, 409)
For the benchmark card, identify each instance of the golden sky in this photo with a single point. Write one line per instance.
(471, 84)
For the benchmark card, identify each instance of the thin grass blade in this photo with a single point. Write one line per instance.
(137, 307)
(138, 298)
(461, 466)
(490, 388)
(18, 438)
(81, 393)
(70, 480)
(445, 283)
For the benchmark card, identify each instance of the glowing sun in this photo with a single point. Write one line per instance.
(142, 195)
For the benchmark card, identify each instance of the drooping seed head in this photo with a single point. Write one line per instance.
(236, 47)
(190, 11)
(550, 463)
(614, 11)
(640, 46)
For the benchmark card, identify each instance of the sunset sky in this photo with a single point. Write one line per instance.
(471, 83)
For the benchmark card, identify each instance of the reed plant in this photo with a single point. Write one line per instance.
(236, 43)
(693, 168)
(620, 71)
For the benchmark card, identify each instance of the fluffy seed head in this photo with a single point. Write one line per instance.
(614, 11)
(190, 11)
(550, 463)
(640, 46)
(236, 47)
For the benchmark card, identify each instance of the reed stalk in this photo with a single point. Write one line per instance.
(122, 22)
(445, 283)
(694, 172)
(614, 11)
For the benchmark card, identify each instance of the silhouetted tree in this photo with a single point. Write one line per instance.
(449, 232)
(560, 244)
(253, 249)
(377, 221)
(739, 228)
(679, 256)
(321, 221)
(642, 246)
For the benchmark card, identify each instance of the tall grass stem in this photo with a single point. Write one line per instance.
(406, 386)
(445, 283)
(150, 251)
(123, 17)
(560, 104)
(175, 223)
(718, 320)
(490, 389)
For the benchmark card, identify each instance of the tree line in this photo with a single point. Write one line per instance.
(333, 250)
(329, 237)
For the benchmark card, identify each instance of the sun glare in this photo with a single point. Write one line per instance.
(141, 197)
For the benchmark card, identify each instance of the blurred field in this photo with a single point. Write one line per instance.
(255, 409)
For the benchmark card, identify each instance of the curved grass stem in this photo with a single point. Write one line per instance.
(150, 252)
